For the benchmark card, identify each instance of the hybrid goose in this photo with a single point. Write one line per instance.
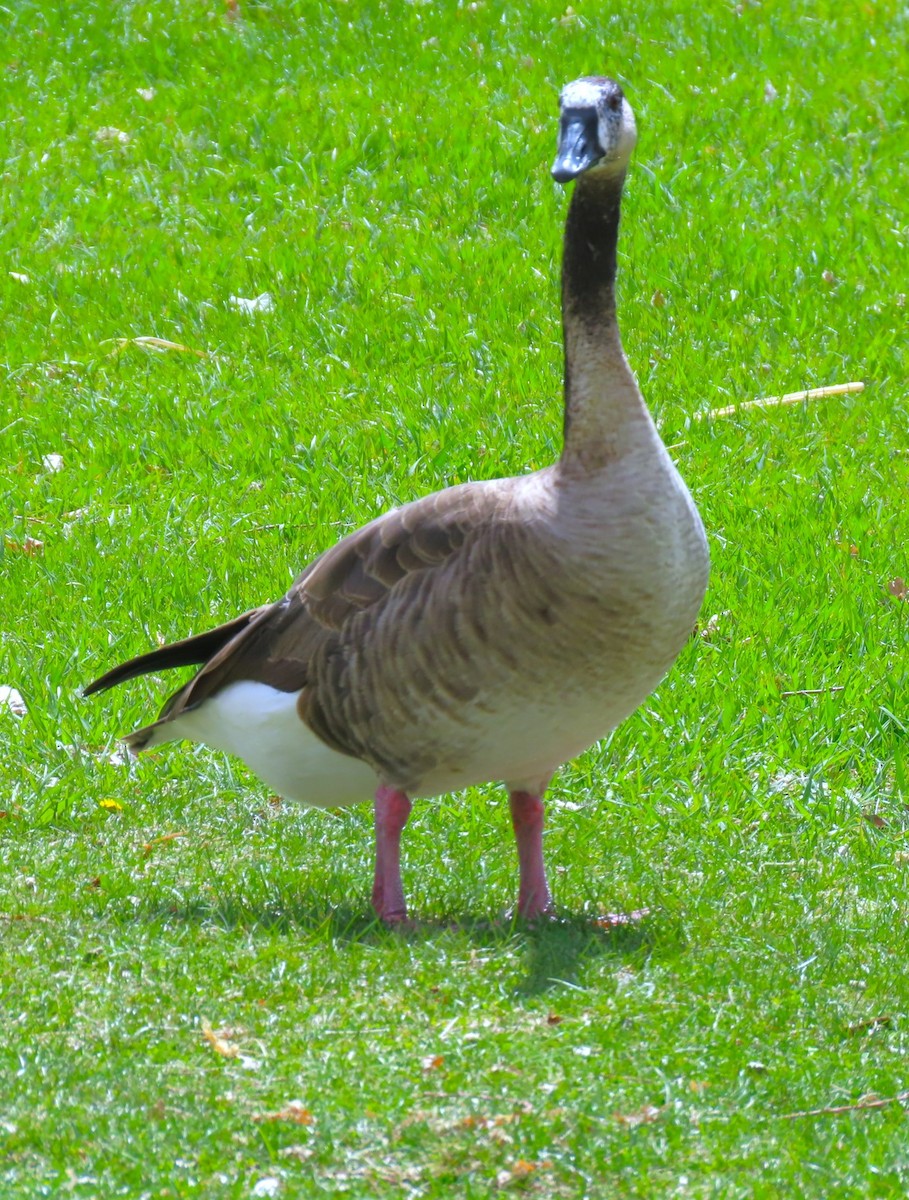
(488, 632)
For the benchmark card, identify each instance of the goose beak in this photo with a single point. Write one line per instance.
(578, 145)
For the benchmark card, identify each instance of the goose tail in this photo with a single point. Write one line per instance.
(150, 735)
(190, 651)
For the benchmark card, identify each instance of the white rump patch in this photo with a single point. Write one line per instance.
(260, 725)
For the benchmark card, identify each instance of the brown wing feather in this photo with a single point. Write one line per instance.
(308, 639)
(361, 570)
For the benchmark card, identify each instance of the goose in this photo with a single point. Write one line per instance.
(488, 632)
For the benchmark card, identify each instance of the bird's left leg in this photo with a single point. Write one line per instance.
(527, 820)
(392, 808)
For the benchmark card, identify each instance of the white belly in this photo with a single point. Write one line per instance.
(260, 725)
(520, 746)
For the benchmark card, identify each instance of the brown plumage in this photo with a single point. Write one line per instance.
(489, 631)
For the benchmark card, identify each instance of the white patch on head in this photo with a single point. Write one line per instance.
(583, 93)
(628, 134)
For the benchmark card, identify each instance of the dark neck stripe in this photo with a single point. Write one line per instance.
(589, 263)
(589, 259)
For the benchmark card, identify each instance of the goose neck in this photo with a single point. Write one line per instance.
(604, 411)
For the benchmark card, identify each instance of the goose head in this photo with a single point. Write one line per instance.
(596, 129)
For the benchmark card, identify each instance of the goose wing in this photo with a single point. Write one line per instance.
(381, 573)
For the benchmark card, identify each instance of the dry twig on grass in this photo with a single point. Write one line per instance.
(150, 343)
(730, 410)
(863, 1102)
(839, 687)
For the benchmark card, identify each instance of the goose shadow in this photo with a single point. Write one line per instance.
(556, 949)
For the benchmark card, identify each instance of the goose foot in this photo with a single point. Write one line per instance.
(391, 808)
(534, 899)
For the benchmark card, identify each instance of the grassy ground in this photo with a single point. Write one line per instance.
(382, 172)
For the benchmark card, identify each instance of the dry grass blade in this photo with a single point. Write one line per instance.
(644, 1116)
(863, 1102)
(837, 389)
(823, 691)
(151, 343)
(295, 1112)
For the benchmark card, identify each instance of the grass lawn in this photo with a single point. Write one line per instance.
(380, 170)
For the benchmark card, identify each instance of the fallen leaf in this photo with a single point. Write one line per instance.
(697, 1086)
(296, 1112)
(218, 1042)
(553, 1019)
(897, 587)
(614, 920)
(711, 626)
(147, 847)
(520, 1170)
(479, 1121)
(875, 819)
(644, 1116)
(109, 134)
(263, 303)
(658, 300)
(94, 883)
(30, 546)
(432, 1062)
(901, 856)
(829, 278)
(12, 699)
(301, 1153)
(268, 1186)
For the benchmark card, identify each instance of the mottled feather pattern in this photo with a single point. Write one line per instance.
(495, 629)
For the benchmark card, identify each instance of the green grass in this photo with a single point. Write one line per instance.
(382, 171)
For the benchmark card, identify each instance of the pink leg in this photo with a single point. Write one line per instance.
(392, 808)
(527, 818)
